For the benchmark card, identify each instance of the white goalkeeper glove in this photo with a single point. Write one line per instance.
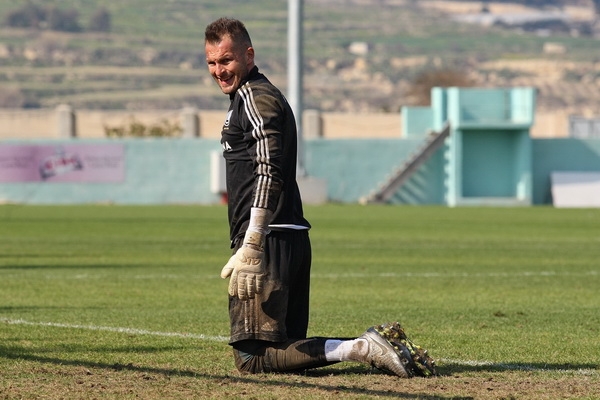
(246, 267)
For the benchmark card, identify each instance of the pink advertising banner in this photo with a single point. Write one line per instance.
(93, 163)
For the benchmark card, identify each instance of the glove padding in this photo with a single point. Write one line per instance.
(246, 269)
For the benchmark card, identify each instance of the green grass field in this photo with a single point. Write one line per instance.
(126, 301)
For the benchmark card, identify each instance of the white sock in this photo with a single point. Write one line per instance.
(344, 350)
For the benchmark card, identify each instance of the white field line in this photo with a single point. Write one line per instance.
(454, 274)
(352, 275)
(129, 331)
(515, 367)
(132, 331)
(359, 275)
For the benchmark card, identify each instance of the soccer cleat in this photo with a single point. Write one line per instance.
(382, 354)
(415, 359)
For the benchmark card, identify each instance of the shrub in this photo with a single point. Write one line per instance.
(100, 21)
(420, 88)
(134, 128)
(11, 98)
(34, 16)
(28, 16)
(63, 20)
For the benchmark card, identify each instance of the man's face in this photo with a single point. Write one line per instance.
(228, 64)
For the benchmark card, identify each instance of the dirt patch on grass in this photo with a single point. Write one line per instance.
(132, 381)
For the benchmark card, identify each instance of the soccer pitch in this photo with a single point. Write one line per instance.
(126, 301)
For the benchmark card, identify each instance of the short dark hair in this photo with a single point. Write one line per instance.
(233, 28)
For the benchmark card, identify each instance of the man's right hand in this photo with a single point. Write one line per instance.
(246, 271)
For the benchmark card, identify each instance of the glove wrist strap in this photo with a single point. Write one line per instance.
(259, 220)
(258, 228)
(254, 240)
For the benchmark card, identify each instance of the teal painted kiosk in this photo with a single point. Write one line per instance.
(487, 156)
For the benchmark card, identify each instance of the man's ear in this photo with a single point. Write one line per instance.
(250, 56)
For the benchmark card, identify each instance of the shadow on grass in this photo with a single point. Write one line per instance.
(243, 379)
(448, 369)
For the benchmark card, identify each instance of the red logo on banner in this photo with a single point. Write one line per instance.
(59, 164)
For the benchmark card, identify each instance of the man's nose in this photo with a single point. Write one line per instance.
(218, 69)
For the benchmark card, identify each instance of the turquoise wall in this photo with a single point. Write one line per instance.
(355, 167)
(177, 171)
(488, 151)
(576, 155)
(156, 171)
(488, 167)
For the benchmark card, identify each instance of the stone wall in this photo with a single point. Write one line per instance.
(90, 124)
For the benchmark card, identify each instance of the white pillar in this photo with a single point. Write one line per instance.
(66, 122)
(190, 122)
(312, 124)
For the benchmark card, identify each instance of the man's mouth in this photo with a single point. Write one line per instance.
(225, 82)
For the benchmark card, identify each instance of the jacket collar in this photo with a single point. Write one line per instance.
(251, 75)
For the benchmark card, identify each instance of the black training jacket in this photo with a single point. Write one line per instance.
(259, 142)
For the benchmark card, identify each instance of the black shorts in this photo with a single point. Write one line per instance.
(280, 312)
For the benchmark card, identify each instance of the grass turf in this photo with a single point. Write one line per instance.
(110, 295)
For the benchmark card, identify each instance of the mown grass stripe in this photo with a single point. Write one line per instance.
(134, 331)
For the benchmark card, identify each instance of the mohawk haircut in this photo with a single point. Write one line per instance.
(235, 29)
